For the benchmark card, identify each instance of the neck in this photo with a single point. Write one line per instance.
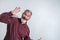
(23, 21)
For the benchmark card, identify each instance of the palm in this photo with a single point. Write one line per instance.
(16, 10)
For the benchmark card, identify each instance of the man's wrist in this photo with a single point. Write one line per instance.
(13, 12)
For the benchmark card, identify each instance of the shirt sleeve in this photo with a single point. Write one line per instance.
(6, 17)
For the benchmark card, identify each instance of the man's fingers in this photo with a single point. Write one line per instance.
(17, 8)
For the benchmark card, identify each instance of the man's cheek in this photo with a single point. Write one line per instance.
(27, 18)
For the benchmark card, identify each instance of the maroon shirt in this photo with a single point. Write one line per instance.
(15, 30)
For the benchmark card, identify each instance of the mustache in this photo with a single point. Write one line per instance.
(24, 18)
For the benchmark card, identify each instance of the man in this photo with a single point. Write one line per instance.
(17, 28)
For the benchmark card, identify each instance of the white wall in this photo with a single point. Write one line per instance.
(45, 21)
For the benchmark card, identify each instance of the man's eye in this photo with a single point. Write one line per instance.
(25, 13)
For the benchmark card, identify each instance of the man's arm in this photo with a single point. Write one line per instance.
(6, 17)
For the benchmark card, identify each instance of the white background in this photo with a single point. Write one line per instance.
(45, 21)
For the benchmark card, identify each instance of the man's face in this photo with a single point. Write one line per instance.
(26, 15)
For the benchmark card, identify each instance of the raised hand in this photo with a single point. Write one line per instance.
(16, 10)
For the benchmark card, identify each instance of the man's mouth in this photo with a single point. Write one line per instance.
(24, 18)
